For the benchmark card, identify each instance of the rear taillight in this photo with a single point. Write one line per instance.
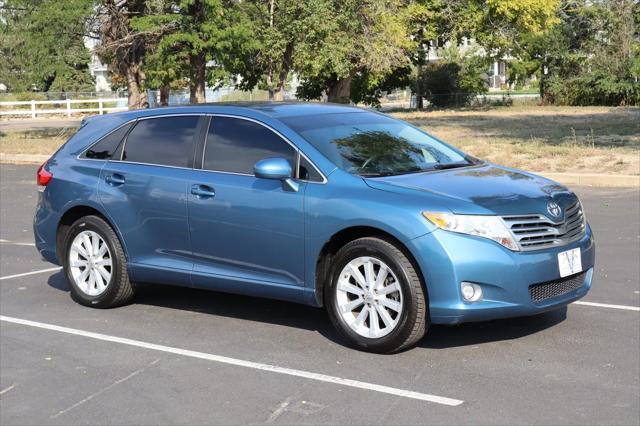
(43, 177)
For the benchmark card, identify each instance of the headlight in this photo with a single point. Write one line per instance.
(490, 227)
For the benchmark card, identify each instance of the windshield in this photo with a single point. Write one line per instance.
(369, 144)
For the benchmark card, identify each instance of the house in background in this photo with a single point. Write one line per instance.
(497, 72)
(497, 75)
(98, 70)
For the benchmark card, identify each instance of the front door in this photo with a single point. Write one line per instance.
(247, 234)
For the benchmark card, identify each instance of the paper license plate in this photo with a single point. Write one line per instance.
(569, 262)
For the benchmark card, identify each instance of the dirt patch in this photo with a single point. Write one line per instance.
(553, 139)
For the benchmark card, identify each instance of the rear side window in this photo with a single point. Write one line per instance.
(236, 145)
(107, 146)
(167, 141)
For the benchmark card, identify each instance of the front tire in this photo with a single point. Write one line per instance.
(375, 298)
(95, 264)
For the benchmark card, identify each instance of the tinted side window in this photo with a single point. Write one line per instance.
(166, 141)
(307, 172)
(236, 145)
(107, 146)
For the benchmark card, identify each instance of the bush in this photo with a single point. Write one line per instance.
(455, 80)
(592, 89)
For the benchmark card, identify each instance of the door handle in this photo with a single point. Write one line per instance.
(203, 191)
(115, 179)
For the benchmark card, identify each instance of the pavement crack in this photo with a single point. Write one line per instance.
(279, 410)
(103, 390)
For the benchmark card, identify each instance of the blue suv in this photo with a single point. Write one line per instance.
(388, 227)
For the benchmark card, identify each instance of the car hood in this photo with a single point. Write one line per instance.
(481, 189)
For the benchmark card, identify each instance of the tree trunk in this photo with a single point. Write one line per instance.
(340, 91)
(270, 88)
(278, 95)
(198, 80)
(419, 100)
(287, 62)
(164, 95)
(135, 83)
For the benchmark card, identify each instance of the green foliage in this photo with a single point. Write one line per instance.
(41, 45)
(368, 88)
(591, 57)
(192, 34)
(347, 50)
(455, 80)
(281, 32)
(359, 38)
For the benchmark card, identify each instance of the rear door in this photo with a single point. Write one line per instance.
(144, 191)
(247, 234)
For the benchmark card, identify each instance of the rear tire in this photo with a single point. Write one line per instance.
(95, 264)
(375, 297)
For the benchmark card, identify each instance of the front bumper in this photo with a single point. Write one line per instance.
(446, 259)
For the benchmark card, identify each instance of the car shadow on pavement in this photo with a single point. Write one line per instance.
(442, 337)
(306, 317)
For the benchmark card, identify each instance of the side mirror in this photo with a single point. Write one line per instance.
(276, 168)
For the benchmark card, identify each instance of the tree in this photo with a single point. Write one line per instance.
(42, 45)
(456, 79)
(425, 23)
(498, 25)
(368, 41)
(281, 30)
(362, 37)
(199, 37)
(492, 24)
(590, 58)
(123, 47)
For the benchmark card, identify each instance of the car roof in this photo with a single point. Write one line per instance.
(290, 109)
(275, 110)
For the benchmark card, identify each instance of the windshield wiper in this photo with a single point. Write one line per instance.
(377, 174)
(445, 166)
(469, 161)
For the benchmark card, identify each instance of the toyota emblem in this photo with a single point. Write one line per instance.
(554, 209)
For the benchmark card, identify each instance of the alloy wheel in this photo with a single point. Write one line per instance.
(90, 263)
(369, 297)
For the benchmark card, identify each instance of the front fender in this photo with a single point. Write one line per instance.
(330, 209)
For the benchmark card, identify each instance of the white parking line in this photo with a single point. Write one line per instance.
(607, 305)
(41, 271)
(5, 390)
(241, 363)
(16, 243)
(579, 302)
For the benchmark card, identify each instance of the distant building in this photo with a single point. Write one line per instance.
(496, 74)
(99, 71)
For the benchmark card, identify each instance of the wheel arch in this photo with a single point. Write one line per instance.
(74, 213)
(346, 235)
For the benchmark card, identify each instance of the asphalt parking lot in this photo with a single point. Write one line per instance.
(187, 356)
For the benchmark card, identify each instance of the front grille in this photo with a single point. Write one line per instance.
(536, 231)
(544, 291)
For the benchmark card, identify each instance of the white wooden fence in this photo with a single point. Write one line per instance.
(63, 106)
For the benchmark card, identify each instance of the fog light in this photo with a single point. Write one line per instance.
(471, 292)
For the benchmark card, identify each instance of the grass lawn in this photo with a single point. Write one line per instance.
(550, 139)
(33, 142)
(539, 139)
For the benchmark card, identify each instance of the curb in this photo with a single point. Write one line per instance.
(594, 179)
(586, 179)
(23, 158)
